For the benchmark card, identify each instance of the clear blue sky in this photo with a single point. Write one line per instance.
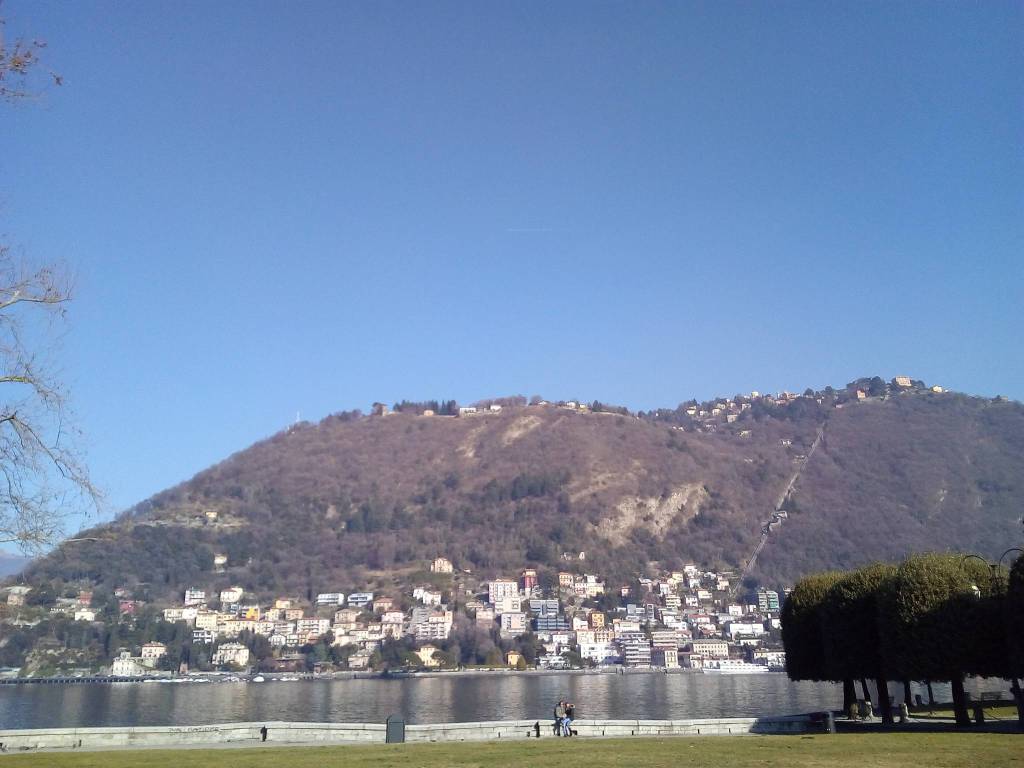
(281, 207)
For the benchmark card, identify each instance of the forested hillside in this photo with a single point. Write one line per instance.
(356, 499)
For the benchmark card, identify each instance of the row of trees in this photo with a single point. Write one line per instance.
(932, 617)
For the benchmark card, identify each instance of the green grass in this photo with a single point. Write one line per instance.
(991, 713)
(875, 750)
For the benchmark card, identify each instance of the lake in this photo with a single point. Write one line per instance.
(654, 696)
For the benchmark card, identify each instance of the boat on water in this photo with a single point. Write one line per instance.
(734, 667)
(258, 679)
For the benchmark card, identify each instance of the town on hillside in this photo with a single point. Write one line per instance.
(686, 619)
(701, 417)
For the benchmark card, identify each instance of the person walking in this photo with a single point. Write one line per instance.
(559, 717)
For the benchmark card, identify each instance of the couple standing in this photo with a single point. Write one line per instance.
(565, 713)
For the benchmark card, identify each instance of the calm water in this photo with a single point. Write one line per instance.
(422, 700)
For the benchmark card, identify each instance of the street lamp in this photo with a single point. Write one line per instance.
(994, 568)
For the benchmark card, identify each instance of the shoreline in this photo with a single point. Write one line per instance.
(222, 677)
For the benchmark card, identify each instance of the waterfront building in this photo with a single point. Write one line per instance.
(231, 653)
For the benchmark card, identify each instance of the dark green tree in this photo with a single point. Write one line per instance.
(802, 628)
(1013, 613)
(930, 615)
(852, 633)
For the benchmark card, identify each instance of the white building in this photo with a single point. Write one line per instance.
(513, 624)
(231, 595)
(427, 596)
(330, 598)
(360, 599)
(636, 652)
(313, 626)
(599, 653)
(500, 588)
(126, 665)
(195, 596)
(436, 626)
(231, 653)
(745, 629)
(180, 614)
(710, 649)
(508, 604)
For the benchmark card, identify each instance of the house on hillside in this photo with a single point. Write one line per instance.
(383, 605)
(16, 594)
(427, 656)
(441, 565)
(330, 598)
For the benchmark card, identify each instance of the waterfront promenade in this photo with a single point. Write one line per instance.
(377, 733)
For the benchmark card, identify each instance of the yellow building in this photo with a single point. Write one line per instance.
(426, 655)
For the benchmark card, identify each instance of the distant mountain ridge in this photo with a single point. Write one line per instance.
(356, 500)
(11, 564)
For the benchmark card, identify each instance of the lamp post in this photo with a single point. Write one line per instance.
(1015, 688)
(999, 563)
(993, 569)
(997, 582)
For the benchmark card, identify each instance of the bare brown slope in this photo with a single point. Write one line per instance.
(337, 504)
(904, 475)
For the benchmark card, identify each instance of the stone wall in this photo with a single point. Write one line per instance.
(374, 733)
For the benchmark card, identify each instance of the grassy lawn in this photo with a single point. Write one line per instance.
(991, 713)
(855, 750)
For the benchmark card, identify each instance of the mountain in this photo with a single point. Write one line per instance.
(870, 471)
(11, 564)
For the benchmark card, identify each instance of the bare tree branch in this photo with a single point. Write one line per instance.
(43, 477)
(19, 61)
